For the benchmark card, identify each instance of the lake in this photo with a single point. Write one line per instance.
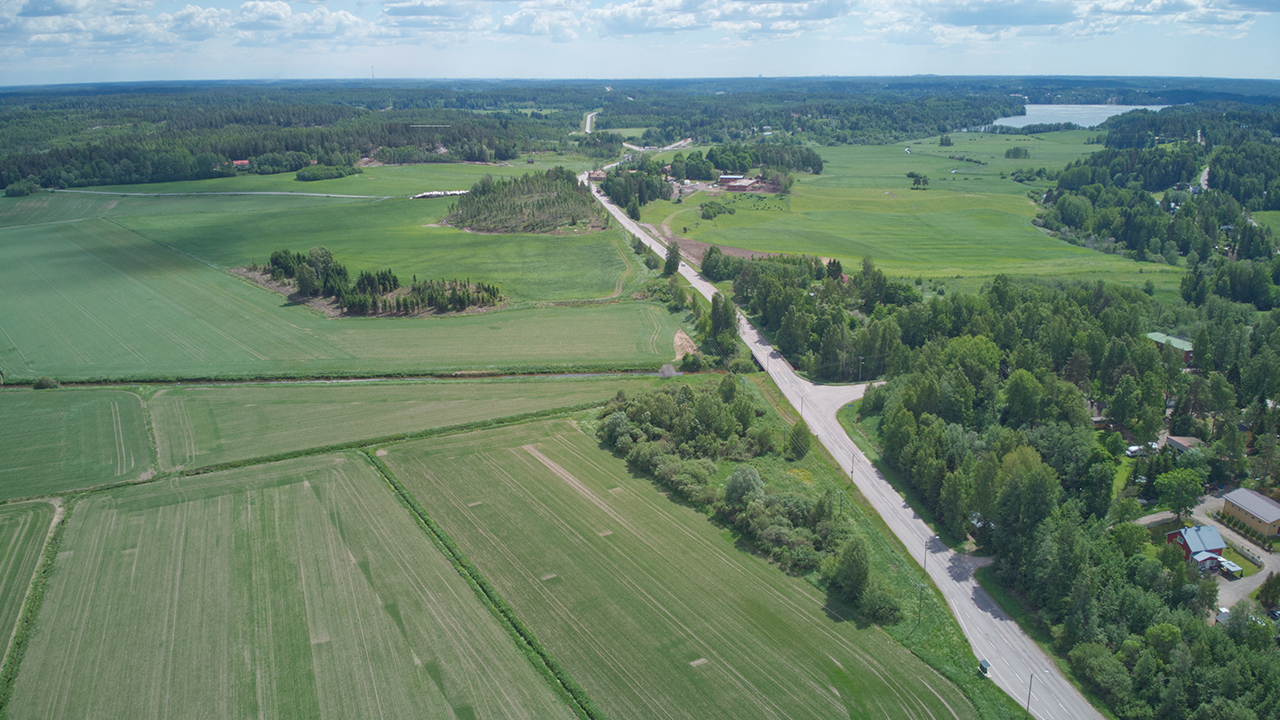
(1083, 115)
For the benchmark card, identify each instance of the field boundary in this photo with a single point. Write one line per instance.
(564, 685)
(31, 604)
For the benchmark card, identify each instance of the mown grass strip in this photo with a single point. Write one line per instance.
(524, 637)
(30, 609)
(395, 438)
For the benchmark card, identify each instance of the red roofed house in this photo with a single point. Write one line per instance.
(1203, 544)
(240, 163)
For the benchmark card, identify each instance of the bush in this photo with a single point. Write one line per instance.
(879, 606)
(22, 188)
(46, 383)
(693, 362)
(325, 172)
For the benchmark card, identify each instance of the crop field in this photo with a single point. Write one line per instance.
(93, 300)
(296, 590)
(652, 609)
(384, 180)
(200, 426)
(57, 440)
(23, 529)
(400, 234)
(968, 227)
(62, 207)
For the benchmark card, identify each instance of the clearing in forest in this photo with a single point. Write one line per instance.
(57, 440)
(295, 590)
(652, 609)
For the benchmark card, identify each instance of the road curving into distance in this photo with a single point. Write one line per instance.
(1018, 665)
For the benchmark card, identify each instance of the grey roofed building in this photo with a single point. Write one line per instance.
(1254, 509)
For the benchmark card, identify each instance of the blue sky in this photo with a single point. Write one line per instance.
(59, 41)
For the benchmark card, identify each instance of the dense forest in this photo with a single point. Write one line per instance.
(78, 136)
(1108, 201)
(532, 203)
(317, 274)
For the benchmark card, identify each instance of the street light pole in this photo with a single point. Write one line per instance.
(859, 368)
(1030, 683)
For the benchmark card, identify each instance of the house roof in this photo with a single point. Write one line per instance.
(1185, 443)
(1183, 345)
(1257, 503)
(1204, 555)
(1201, 539)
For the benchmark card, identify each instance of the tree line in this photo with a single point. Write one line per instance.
(317, 274)
(678, 434)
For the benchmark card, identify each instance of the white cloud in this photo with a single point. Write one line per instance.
(558, 19)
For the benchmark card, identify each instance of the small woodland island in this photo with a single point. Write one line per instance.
(534, 203)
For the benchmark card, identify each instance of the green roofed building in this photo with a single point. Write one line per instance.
(1160, 339)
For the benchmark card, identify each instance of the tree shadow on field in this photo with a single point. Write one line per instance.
(837, 610)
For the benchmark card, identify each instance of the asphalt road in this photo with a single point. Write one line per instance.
(993, 635)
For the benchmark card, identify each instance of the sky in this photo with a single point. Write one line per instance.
(70, 41)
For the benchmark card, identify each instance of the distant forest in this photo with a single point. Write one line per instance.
(80, 136)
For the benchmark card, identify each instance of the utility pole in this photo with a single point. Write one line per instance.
(859, 368)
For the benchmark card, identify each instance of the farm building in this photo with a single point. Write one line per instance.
(1183, 444)
(1160, 339)
(726, 179)
(741, 185)
(1195, 540)
(1253, 509)
(596, 176)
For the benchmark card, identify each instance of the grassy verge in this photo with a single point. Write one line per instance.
(1014, 608)
(30, 609)
(866, 435)
(546, 665)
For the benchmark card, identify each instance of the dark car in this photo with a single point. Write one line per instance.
(1274, 614)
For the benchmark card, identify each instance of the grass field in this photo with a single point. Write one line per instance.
(93, 300)
(386, 180)
(57, 440)
(199, 426)
(968, 227)
(653, 610)
(23, 529)
(297, 590)
(63, 207)
(393, 234)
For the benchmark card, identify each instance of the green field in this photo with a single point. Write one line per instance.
(199, 426)
(46, 208)
(394, 234)
(94, 300)
(653, 610)
(296, 590)
(968, 227)
(386, 180)
(56, 440)
(23, 529)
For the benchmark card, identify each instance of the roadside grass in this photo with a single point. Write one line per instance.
(23, 529)
(1014, 608)
(651, 608)
(396, 234)
(866, 435)
(301, 589)
(56, 440)
(94, 301)
(197, 426)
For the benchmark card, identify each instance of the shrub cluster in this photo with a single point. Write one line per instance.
(326, 172)
(532, 203)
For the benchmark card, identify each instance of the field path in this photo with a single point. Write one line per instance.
(992, 634)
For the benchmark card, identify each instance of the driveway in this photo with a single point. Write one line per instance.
(1230, 591)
